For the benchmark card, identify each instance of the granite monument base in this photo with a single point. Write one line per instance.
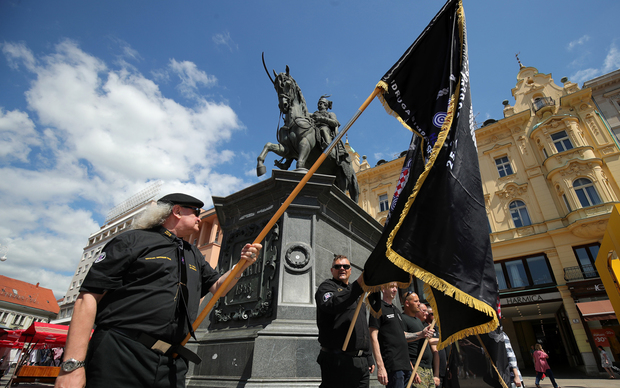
(263, 332)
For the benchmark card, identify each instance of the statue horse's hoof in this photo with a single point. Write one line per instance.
(261, 170)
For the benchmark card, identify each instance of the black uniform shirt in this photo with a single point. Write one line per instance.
(392, 341)
(414, 325)
(140, 271)
(336, 303)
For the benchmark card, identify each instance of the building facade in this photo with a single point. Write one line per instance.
(550, 171)
(22, 304)
(378, 184)
(606, 95)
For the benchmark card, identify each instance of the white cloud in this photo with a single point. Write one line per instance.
(381, 155)
(579, 42)
(224, 39)
(251, 172)
(612, 60)
(96, 134)
(17, 53)
(17, 135)
(610, 63)
(191, 77)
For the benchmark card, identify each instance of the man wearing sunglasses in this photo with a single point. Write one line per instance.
(143, 293)
(336, 300)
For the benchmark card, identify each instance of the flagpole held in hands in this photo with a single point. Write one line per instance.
(237, 268)
(501, 379)
(420, 353)
(357, 312)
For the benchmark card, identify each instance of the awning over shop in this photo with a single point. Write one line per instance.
(597, 310)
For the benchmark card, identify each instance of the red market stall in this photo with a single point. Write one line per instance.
(38, 336)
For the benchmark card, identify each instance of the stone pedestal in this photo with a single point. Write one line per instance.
(263, 332)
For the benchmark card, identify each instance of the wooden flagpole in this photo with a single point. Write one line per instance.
(420, 353)
(237, 268)
(501, 379)
(357, 312)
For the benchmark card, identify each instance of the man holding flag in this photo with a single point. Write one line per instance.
(336, 301)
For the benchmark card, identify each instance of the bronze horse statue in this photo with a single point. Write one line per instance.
(298, 139)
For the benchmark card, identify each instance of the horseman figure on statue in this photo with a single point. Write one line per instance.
(305, 136)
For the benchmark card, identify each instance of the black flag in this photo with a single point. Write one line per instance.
(437, 228)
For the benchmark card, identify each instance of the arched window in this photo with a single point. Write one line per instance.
(519, 214)
(586, 192)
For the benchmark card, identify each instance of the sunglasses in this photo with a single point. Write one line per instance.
(195, 209)
(344, 266)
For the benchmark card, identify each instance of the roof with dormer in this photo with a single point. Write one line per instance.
(27, 295)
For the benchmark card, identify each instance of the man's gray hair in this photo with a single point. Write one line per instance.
(153, 216)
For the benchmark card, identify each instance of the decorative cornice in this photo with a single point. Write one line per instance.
(511, 190)
(525, 231)
(497, 147)
(578, 168)
(592, 229)
(551, 253)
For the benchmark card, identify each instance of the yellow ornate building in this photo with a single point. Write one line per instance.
(550, 170)
(377, 185)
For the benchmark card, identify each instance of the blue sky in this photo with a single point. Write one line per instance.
(100, 98)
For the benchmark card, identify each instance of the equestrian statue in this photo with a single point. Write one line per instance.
(305, 136)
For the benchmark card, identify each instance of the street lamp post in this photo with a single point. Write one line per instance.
(3, 251)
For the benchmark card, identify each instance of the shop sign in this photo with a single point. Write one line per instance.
(527, 299)
(600, 336)
(593, 287)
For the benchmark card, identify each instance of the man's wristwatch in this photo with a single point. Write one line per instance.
(71, 365)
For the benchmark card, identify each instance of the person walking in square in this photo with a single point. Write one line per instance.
(542, 367)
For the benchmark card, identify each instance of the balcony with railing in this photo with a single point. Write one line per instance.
(587, 271)
(542, 105)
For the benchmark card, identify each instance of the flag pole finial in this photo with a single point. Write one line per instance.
(519, 61)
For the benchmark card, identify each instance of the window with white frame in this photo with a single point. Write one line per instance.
(503, 166)
(561, 141)
(383, 203)
(586, 192)
(519, 214)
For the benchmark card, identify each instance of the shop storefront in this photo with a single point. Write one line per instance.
(598, 317)
(538, 316)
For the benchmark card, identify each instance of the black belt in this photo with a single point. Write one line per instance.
(159, 346)
(356, 353)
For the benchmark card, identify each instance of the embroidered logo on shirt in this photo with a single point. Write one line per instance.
(100, 258)
(327, 295)
(158, 257)
(192, 267)
(390, 316)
